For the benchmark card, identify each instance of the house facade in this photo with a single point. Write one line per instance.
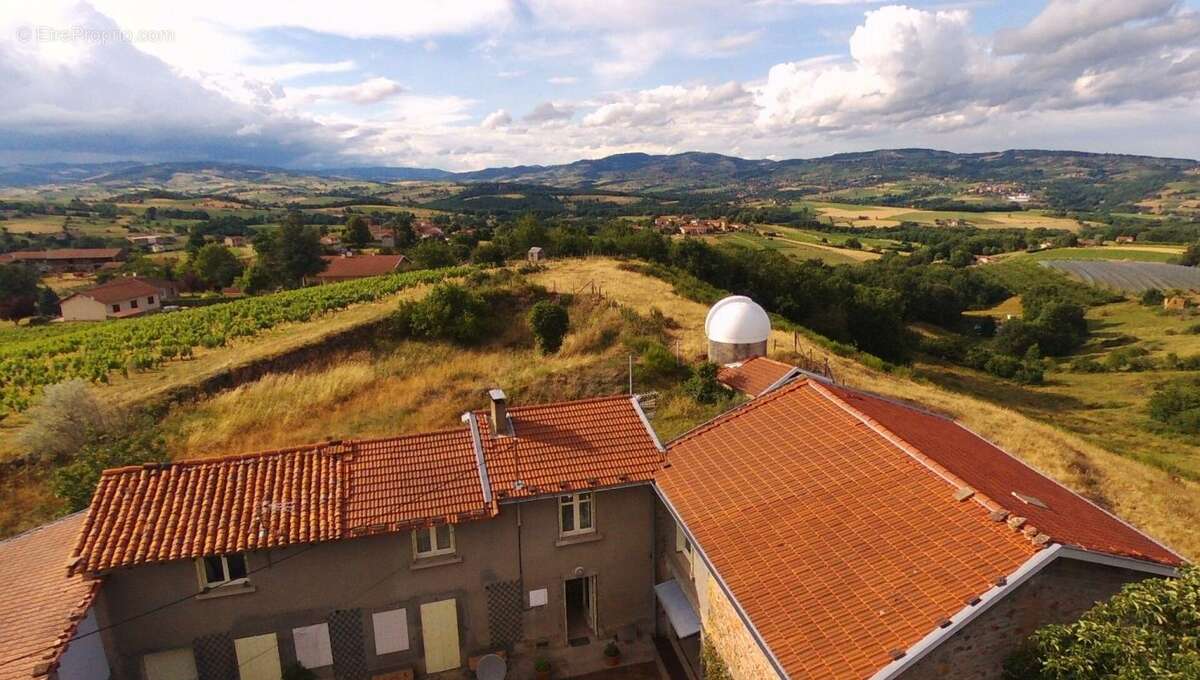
(814, 531)
(117, 299)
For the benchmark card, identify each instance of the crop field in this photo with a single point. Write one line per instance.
(1132, 277)
(1134, 253)
(96, 351)
(796, 249)
(888, 216)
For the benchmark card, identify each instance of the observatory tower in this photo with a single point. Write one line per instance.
(737, 330)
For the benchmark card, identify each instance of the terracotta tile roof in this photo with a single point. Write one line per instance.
(839, 546)
(120, 290)
(572, 445)
(155, 513)
(842, 541)
(63, 254)
(753, 376)
(407, 481)
(40, 605)
(359, 266)
(1067, 517)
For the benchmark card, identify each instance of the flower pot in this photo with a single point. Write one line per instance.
(612, 660)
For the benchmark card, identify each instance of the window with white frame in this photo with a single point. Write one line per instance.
(576, 514)
(219, 570)
(433, 541)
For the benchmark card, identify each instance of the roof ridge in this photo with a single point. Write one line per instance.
(738, 410)
(571, 402)
(33, 530)
(963, 490)
(315, 447)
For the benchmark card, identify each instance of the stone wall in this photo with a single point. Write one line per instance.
(1060, 593)
(732, 640)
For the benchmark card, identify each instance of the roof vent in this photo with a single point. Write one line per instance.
(1029, 500)
(501, 426)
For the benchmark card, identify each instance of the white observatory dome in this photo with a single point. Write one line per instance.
(737, 320)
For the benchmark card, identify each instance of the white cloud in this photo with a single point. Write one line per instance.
(549, 112)
(562, 80)
(497, 119)
(927, 69)
(370, 91)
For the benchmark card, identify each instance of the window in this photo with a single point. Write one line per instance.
(133, 303)
(116, 307)
(433, 541)
(220, 570)
(575, 514)
(150, 300)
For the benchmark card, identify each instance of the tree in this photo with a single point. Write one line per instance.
(1191, 256)
(1176, 404)
(432, 253)
(216, 265)
(402, 230)
(18, 292)
(289, 254)
(704, 387)
(549, 321)
(1148, 630)
(256, 279)
(358, 233)
(47, 302)
(132, 443)
(488, 254)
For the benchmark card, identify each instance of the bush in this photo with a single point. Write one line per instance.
(549, 322)
(1148, 630)
(448, 312)
(62, 421)
(1176, 404)
(488, 254)
(658, 363)
(704, 387)
(1153, 297)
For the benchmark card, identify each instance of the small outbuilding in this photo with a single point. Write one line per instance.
(536, 254)
(737, 329)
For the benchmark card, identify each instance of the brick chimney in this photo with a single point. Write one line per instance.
(501, 427)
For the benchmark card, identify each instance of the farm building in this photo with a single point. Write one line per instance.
(427, 229)
(235, 241)
(119, 298)
(1126, 239)
(536, 254)
(67, 259)
(346, 267)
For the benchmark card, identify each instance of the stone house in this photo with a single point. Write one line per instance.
(812, 532)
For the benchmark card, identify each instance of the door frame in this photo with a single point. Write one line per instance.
(590, 602)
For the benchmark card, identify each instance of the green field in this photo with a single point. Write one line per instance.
(795, 249)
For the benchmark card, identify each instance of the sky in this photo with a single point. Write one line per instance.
(468, 84)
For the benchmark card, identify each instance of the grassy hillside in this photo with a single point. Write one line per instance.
(1165, 505)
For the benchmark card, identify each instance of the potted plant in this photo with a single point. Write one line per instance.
(541, 668)
(612, 653)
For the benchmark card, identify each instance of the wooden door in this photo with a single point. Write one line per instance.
(439, 632)
(258, 657)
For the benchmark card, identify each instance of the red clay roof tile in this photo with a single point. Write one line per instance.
(839, 546)
(40, 605)
(753, 376)
(359, 266)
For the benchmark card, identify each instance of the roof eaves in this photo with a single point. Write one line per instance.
(941, 633)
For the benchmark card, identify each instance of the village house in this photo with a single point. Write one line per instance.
(1176, 303)
(1126, 239)
(427, 229)
(234, 241)
(66, 259)
(119, 298)
(346, 267)
(383, 236)
(155, 243)
(814, 531)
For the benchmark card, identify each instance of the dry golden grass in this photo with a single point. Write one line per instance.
(1163, 506)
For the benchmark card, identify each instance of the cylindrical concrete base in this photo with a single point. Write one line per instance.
(728, 353)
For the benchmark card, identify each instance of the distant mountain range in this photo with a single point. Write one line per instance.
(642, 172)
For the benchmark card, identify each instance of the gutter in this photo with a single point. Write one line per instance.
(737, 606)
(480, 462)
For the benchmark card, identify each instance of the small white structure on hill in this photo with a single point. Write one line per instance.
(737, 329)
